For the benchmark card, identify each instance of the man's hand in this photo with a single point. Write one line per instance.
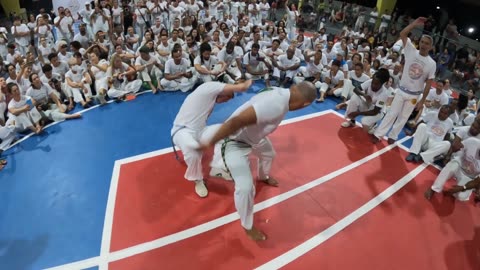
(453, 190)
(420, 21)
(246, 84)
(368, 99)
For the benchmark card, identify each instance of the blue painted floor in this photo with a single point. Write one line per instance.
(53, 192)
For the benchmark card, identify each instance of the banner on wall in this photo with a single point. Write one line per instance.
(73, 5)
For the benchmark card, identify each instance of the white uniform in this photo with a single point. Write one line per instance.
(358, 104)
(417, 70)
(349, 84)
(255, 64)
(184, 84)
(230, 61)
(25, 119)
(189, 124)
(429, 137)
(270, 108)
(464, 167)
(119, 88)
(42, 95)
(334, 80)
(285, 62)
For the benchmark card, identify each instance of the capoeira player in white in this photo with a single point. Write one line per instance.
(191, 121)
(368, 100)
(418, 73)
(245, 132)
(465, 167)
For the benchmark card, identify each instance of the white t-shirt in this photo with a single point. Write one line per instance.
(74, 77)
(197, 107)
(442, 99)
(379, 98)
(253, 61)
(209, 64)
(40, 95)
(334, 79)
(357, 81)
(172, 68)
(228, 59)
(283, 61)
(437, 129)
(270, 108)
(97, 72)
(464, 133)
(469, 157)
(417, 69)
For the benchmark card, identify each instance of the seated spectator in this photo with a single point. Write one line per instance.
(22, 112)
(431, 136)
(178, 73)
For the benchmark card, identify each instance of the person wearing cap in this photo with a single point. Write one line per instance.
(191, 121)
(178, 73)
(149, 67)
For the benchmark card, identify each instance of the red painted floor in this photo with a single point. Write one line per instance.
(405, 232)
(154, 200)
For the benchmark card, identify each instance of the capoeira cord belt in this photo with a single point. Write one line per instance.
(173, 144)
(223, 148)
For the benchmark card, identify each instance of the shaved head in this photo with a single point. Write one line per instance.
(308, 91)
(302, 95)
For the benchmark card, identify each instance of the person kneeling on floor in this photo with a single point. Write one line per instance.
(368, 100)
(430, 136)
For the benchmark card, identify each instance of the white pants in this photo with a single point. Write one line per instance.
(260, 67)
(125, 89)
(357, 104)
(401, 108)
(429, 148)
(101, 84)
(236, 160)
(453, 169)
(287, 74)
(7, 134)
(208, 77)
(346, 91)
(232, 71)
(54, 113)
(146, 75)
(77, 93)
(184, 84)
(3, 108)
(26, 119)
(187, 140)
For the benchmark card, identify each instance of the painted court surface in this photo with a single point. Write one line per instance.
(342, 203)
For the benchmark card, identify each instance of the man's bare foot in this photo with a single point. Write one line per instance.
(270, 181)
(341, 106)
(391, 141)
(255, 234)
(374, 139)
(428, 194)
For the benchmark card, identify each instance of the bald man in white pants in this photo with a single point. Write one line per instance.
(418, 73)
(245, 132)
(191, 121)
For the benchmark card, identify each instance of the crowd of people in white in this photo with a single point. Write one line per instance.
(168, 45)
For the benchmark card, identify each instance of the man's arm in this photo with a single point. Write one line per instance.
(246, 118)
(475, 183)
(404, 34)
(240, 87)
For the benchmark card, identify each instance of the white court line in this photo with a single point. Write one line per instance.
(202, 228)
(400, 145)
(318, 239)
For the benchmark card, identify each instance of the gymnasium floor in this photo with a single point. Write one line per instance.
(106, 192)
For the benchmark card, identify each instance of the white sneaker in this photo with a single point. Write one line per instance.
(201, 189)
(216, 172)
(347, 124)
